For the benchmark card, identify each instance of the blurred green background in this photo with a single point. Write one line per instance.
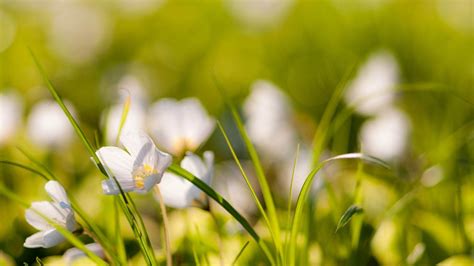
(180, 48)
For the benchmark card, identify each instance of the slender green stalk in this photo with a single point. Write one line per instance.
(262, 180)
(169, 258)
(290, 196)
(240, 253)
(247, 180)
(126, 203)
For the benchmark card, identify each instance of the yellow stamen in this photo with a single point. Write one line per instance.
(141, 173)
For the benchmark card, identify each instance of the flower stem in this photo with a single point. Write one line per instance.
(169, 259)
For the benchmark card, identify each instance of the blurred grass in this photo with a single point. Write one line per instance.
(177, 48)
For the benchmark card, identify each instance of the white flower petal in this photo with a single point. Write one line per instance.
(117, 162)
(196, 125)
(73, 254)
(110, 187)
(134, 141)
(35, 241)
(36, 220)
(11, 110)
(56, 192)
(175, 191)
(52, 238)
(48, 209)
(165, 123)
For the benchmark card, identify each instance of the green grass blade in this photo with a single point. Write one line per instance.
(240, 253)
(176, 169)
(290, 196)
(66, 111)
(127, 204)
(262, 180)
(298, 216)
(25, 167)
(320, 136)
(247, 180)
(346, 217)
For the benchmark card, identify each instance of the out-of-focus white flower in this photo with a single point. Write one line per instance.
(180, 193)
(259, 13)
(132, 97)
(139, 7)
(137, 170)
(180, 126)
(11, 110)
(78, 33)
(457, 13)
(373, 87)
(268, 123)
(231, 185)
(48, 126)
(59, 211)
(7, 34)
(386, 135)
(72, 255)
(432, 176)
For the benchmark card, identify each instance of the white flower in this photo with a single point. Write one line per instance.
(385, 136)
(259, 13)
(74, 254)
(180, 126)
(10, 115)
(230, 183)
(178, 192)
(132, 95)
(78, 33)
(137, 170)
(48, 126)
(268, 121)
(59, 211)
(373, 87)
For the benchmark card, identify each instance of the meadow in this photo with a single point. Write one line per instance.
(235, 132)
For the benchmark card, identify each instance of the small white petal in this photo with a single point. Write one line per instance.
(117, 162)
(48, 209)
(175, 191)
(52, 238)
(110, 187)
(134, 141)
(165, 124)
(73, 254)
(56, 192)
(35, 241)
(196, 125)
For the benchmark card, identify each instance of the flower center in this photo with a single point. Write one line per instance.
(141, 173)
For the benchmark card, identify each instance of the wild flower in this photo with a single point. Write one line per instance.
(73, 255)
(132, 99)
(385, 136)
(138, 168)
(268, 106)
(59, 211)
(48, 127)
(180, 126)
(180, 193)
(373, 87)
(10, 116)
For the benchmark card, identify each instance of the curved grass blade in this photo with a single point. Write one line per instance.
(176, 169)
(297, 218)
(247, 180)
(126, 202)
(240, 253)
(346, 217)
(262, 180)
